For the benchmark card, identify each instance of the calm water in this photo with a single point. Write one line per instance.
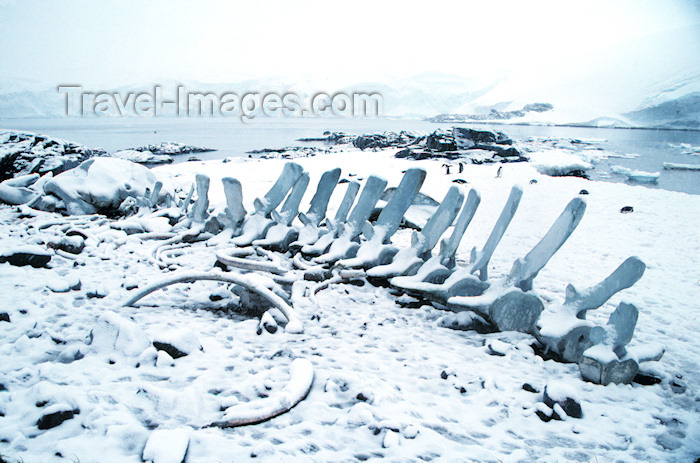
(230, 137)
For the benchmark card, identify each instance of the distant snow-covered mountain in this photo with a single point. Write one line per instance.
(653, 81)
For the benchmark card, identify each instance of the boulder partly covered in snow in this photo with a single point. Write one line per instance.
(142, 157)
(27, 153)
(102, 185)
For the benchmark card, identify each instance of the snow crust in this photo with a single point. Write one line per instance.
(389, 382)
(557, 162)
(167, 446)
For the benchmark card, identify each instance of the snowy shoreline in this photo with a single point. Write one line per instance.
(389, 382)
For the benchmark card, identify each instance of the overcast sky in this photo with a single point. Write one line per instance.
(109, 43)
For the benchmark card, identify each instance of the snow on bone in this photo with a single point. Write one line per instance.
(17, 190)
(281, 234)
(608, 360)
(408, 260)
(376, 249)
(102, 184)
(439, 267)
(302, 377)
(315, 246)
(294, 324)
(345, 244)
(438, 281)
(310, 232)
(565, 330)
(507, 303)
(256, 225)
(235, 212)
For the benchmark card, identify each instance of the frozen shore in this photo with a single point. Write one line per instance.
(389, 383)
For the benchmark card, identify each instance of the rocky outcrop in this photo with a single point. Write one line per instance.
(472, 145)
(24, 153)
(171, 148)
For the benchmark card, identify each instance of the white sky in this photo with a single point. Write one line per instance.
(110, 43)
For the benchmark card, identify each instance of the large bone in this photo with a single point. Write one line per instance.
(310, 232)
(319, 245)
(526, 269)
(437, 282)
(607, 361)
(16, 195)
(480, 260)
(294, 324)
(256, 224)
(565, 330)
(408, 260)
(289, 176)
(505, 303)
(348, 233)
(281, 234)
(448, 248)
(438, 268)
(319, 203)
(258, 411)
(376, 250)
(235, 211)
(199, 210)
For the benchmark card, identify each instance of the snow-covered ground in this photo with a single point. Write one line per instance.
(389, 383)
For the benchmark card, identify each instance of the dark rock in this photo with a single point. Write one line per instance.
(4, 317)
(52, 420)
(364, 142)
(529, 388)
(404, 153)
(496, 348)
(171, 350)
(267, 323)
(459, 181)
(544, 417)
(476, 136)
(97, 293)
(440, 142)
(70, 244)
(317, 274)
(568, 404)
(385, 140)
(270, 327)
(583, 192)
(498, 150)
(646, 379)
(74, 232)
(362, 398)
(626, 210)
(576, 173)
(21, 258)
